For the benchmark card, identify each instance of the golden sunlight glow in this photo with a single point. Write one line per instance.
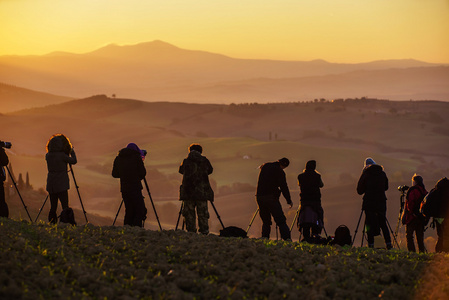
(336, 31)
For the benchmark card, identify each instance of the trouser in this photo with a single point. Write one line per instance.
(269, 206)
(135, 210)
(4, 211)
(374, 221)
(309, 230)
(415, 226)
(443, 236)
(54, 197)
(189, 215)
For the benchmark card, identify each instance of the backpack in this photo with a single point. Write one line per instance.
(233, 231)
(67, 216)
(342, 236)
(432, 205)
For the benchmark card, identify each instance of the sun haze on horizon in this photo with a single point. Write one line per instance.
(346, 31)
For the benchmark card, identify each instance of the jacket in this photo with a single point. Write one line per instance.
(372, 185)
(414, 197)
(310, 183)
(4, 161)
(129, 167)
(195, 169)
(57, 160)
(272, 181)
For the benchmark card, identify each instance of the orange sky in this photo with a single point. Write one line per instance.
(333, 30)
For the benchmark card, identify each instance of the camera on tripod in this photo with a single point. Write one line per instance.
(6, 145)
(403, 188)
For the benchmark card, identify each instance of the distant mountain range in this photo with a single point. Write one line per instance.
(157, 71)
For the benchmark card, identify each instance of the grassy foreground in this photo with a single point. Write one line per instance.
(39, 261)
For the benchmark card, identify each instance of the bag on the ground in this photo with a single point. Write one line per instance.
(233, 231)
(342, 236)
(67, 216)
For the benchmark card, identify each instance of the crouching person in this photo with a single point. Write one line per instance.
(129, 167)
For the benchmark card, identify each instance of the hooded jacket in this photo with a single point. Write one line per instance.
(372, 185)
(196, 169)
(57, 160)
(310, 183)
(129, 167)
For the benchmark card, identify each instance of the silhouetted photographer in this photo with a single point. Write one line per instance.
(129, 167)
(60, 154)
(311, 214)
(372, 185)
(4, 161)
(195, 189)
(271, 183)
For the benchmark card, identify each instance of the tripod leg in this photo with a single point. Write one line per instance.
(78, 191)
(18, 192)
(121, 203)
(357, 228)
(252, 220)
(152, 203)
(295, 218)
(40, 210)
(218, 216)
(394, 237)
(179, 216)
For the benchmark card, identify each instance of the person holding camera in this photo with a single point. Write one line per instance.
(60, 153)
(411, 218)
(195, 189)
(129, 167)
(311, 214)
(4, 161)
(271, 183)
(372, 185)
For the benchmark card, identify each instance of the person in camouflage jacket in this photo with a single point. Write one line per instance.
(195, 189)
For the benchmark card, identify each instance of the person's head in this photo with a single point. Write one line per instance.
(311, 165)
(196, 147)
(369, 161)
(134, 147)
(417, 180)
(284, 162)
(59, 142)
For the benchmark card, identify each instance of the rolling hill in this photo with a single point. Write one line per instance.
(157, 71)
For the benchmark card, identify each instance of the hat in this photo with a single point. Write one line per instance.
(369, 161)
(133, 146)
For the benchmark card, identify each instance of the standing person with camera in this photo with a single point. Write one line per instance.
(271, 183)
(411, 218)
(4, 161)
(195, 189)
(372, 185)
(60, 153)
(311, 214)
(129, 167)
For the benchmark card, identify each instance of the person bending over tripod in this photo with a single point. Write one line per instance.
(311, 214)
(59, 153)
(195, 189)
(373, 183)
(4, 161)
(129, 167)
(270, 185)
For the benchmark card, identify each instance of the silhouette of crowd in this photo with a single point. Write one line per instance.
(419, 208)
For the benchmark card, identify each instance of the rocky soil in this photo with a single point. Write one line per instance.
(41, 261)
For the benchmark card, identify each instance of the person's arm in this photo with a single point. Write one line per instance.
(4, 160)
(386, 182)
(142, 170)
(182, 168)
(284, 188)
(115, 168)
(361, 185)
(72, 158)
(321, 184)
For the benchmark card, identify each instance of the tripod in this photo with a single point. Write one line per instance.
(17, 189)
(180, 213)
(152, 203)
(79, 196)
(363, 235)
(401, 209)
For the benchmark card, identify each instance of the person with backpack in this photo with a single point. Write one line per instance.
(311, 214)
(412, 219)
(60, 153)
(195, 189)
(372, 185)
(129, 167)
